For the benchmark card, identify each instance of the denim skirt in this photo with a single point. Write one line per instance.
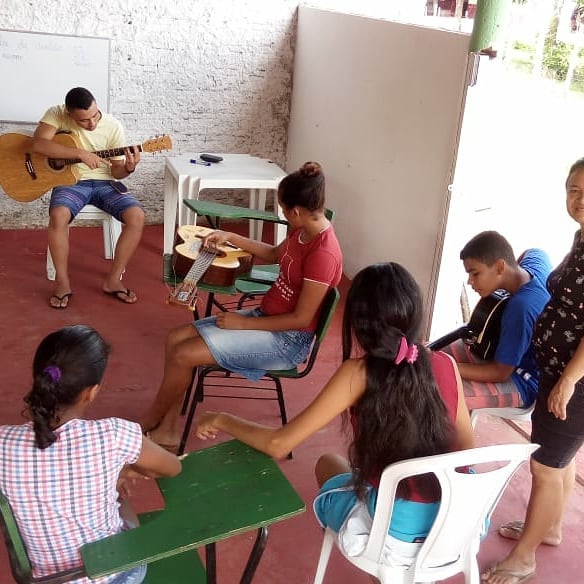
(251, 352)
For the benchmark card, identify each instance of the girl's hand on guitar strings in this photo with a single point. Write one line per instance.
(215, 239)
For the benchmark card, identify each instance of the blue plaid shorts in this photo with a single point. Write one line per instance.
(108, 195)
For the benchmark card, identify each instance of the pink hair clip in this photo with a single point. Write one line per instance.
(407, 352)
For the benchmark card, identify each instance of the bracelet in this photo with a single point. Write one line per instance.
(129, 171)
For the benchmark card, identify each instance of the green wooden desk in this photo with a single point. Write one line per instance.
(222, 491)
(214, 212)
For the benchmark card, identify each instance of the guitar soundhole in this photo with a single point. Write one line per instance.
(56, 164)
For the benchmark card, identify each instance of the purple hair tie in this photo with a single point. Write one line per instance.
(53, 372)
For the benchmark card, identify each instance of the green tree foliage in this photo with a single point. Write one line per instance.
(556, 53)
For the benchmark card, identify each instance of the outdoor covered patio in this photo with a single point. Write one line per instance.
(137, 335)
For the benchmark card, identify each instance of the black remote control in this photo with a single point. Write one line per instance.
(210, 158)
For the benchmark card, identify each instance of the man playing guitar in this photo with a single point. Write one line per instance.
(93, 130)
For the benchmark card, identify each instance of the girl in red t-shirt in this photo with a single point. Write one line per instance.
(278, 335)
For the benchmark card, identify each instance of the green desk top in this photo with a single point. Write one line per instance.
(222, 491)
(230, 211)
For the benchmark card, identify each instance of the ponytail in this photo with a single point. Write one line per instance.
(66, 363)
(401, 413)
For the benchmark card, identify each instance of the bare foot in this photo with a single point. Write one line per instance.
(514, 530)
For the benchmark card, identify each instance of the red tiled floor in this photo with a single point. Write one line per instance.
(137, 335)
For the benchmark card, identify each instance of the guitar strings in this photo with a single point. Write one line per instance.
(197, 270)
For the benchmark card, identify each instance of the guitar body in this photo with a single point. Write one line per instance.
(24, 175)
(484, 326)
(227, 266)
(483, 329)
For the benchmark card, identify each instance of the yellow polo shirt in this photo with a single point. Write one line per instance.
(108, 134)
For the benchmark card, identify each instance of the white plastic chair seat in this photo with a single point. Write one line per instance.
(519, 414)
(467, 500)
(112, 229)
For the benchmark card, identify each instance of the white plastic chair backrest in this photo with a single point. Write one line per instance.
(520, 414)
(466, 500)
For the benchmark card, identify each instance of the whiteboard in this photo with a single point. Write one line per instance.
(37, 70)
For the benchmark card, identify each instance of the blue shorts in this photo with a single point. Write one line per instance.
(108, 195)
(134, 576)
(250, 352)
(411, 521)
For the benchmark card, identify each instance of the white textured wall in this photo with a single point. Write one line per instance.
(215, 76)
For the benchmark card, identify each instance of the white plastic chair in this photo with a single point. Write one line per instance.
(453, 542)
(112, 229)
(519, 414)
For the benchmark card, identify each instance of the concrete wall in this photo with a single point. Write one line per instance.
(215, 76)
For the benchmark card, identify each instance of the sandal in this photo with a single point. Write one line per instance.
(511, 576)
(126, 296)
(60, 299)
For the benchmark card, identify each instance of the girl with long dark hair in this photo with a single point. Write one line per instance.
(399, 401)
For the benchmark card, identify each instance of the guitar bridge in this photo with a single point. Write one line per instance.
(184, 295)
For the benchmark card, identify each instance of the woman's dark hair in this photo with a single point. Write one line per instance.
(65, 363)
(78, 98)
(401, 413)
(303, 188)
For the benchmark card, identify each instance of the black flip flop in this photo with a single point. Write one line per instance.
(60, 299)
(121, 295)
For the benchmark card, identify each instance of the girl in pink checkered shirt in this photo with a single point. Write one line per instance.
(61, 472)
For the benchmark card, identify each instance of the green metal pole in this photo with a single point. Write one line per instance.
(488, 21)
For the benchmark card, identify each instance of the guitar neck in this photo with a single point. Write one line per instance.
(200, 265)
(444, 341)
(186, 293)
(111, 153)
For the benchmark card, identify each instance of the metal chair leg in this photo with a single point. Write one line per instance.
(281, 403)
(188, 392)
(255, 556)
(209, 306)
(211, 563)
(198, 397)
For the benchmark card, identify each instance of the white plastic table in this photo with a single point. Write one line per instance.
(184, 180)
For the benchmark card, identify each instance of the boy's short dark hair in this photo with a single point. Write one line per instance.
(487, 247)
(79, 98)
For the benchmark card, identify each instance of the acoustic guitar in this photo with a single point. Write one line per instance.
(25, 175)
(229, 263)
(216, 267)
(482, 330)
